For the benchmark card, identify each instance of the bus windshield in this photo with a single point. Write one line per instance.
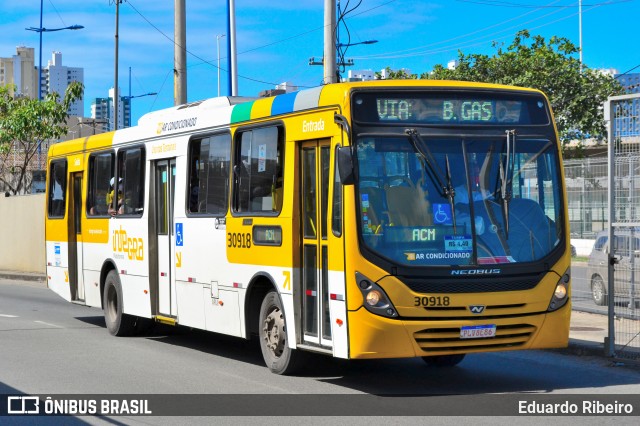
(458, 200)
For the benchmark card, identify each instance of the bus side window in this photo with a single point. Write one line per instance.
(209, 161)
(101, 170)
(258, 171)
(57, 189)
(131, 171)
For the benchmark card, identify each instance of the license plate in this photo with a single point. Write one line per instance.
(478, 331)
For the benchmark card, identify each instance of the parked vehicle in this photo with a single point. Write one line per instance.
(626, 248)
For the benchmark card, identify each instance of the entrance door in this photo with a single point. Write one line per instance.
(164, 181)
(76, 282)
(314, 160)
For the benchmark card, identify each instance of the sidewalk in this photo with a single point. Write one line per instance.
(586, 334)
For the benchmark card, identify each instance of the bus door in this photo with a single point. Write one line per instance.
(315, 163)
(74, 226)
(164, 181)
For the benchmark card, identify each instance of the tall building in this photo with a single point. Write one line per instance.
(368, 75)
(20, 71)
(360, 75)
(102, 110)
(56, 78)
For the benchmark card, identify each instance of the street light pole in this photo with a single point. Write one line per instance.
(40, 61)
(218, 37)
(580, 30)
(116, 98)
(40, 30)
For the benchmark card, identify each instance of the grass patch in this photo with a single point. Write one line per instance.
(580, 259)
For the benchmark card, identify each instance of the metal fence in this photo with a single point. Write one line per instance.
(623, 237)
(587, 184)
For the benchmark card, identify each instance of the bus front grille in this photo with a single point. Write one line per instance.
(448, 339)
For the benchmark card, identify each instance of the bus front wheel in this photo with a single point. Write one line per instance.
(278, 356)
(118, 323)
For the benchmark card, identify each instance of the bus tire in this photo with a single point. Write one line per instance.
(443, 360)
(118, 323)
(277, 354)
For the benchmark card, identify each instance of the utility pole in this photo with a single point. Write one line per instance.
(329, 60)
(232, 65)
(180, 54)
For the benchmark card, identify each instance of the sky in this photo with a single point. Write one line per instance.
(276, 38)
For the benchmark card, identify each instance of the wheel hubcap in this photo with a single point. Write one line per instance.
(274, 332)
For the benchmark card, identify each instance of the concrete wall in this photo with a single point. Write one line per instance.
(22, 233)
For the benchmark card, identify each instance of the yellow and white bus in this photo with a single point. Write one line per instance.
(358, 220)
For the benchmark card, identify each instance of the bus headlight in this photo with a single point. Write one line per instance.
(561, 293)
(376, 300)
(373, 297)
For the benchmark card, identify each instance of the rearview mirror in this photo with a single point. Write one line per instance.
(345, 165)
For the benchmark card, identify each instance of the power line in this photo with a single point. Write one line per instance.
(191, 53)
(475, 42)
(204, 61)
(58, 13)
(499, 24)
(533, 6)
(627, 71)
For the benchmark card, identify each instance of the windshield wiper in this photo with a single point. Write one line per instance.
(506, 177)
(444, 186)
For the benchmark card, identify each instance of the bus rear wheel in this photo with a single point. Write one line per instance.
(118, 323)
(277, 354)
(443, 360)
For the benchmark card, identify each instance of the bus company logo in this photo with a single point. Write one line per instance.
(476, 309)
(476, 272)
(312, 126)
(132, 247)
(176, 125)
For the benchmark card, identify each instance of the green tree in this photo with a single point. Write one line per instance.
(401, 74)
(577, 97)
(24, 124)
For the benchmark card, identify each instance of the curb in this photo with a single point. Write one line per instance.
(22, 276)
(585, 348)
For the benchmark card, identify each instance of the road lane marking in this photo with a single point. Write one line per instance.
(49, 324)
(8, 316)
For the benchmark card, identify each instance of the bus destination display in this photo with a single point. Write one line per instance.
(440, 109)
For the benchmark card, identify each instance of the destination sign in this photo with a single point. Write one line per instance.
(453, 108)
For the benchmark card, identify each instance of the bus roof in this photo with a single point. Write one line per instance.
(226, 110)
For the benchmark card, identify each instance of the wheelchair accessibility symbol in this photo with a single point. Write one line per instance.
(179, 235)
(442, 214)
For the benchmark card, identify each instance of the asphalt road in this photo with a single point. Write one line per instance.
(50, 346)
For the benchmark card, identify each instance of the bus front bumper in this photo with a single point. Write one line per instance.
(372, 336)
